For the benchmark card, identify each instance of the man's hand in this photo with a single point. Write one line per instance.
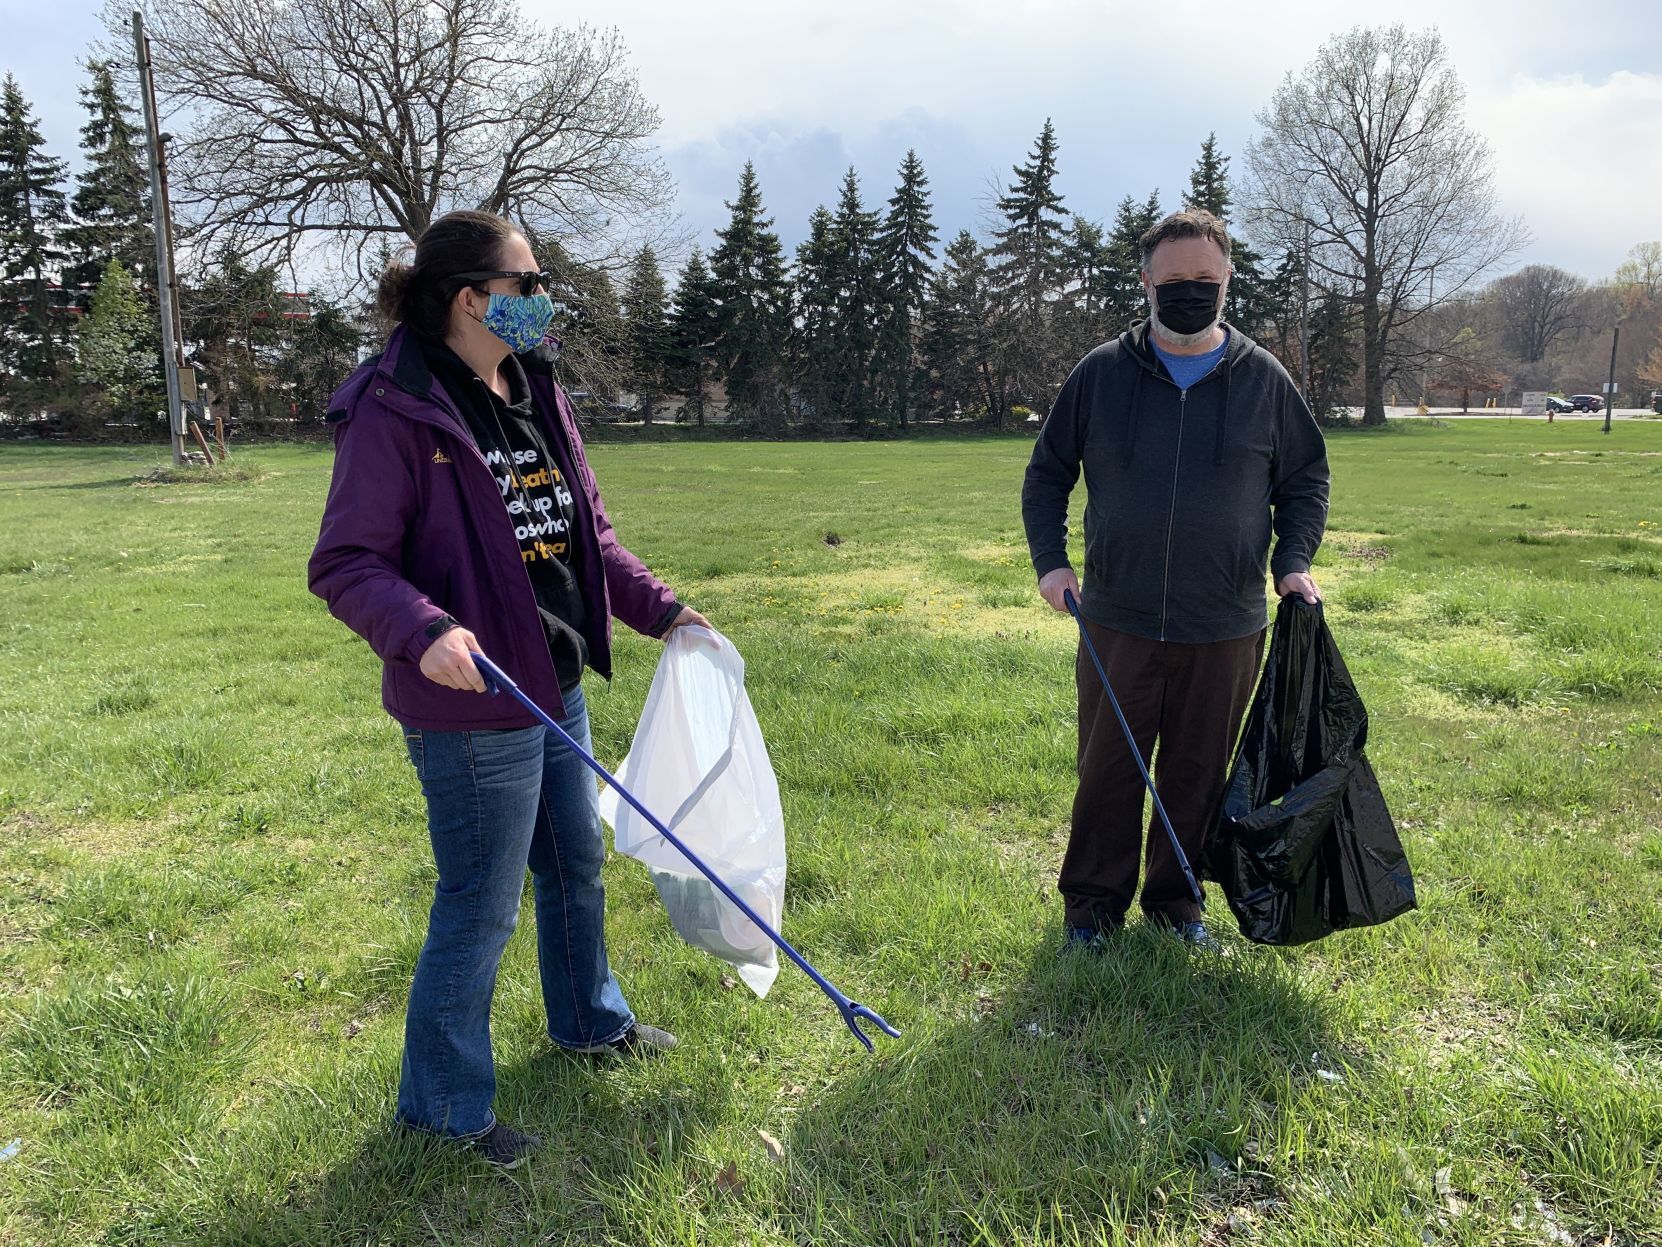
(1299, 582)
(688, 616)
(1054, 583)
(449, 661)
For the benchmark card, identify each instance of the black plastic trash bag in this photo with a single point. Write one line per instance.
(1304, 845)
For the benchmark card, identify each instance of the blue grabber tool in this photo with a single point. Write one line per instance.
(851, 1011)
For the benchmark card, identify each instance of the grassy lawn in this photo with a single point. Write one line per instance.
(214, 878)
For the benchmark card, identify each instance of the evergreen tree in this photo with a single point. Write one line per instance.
(33, 214)
(646, 313)
(112, 195)
(318, 353)
(858, 304)
(1252, 290)
(967, 368)
(117, 357)
(905, 252)
(1251, 305)
(695, 332)
(1209, 181)
(749, 271)
(235, 315)
(1027, 265)
(594, 340)
(813, 333)
(1123, 277)
(1335, 340)
(1278, 331)
(1089, 276)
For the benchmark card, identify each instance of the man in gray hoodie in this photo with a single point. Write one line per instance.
(1196, 448)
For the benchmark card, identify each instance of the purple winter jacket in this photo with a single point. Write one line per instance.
(414, 529)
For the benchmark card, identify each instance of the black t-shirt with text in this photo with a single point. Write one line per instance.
(537, 496)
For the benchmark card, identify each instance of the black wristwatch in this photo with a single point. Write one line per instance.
(440, 626)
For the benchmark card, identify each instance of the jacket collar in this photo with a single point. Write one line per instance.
(400, 380)
(1135, 340)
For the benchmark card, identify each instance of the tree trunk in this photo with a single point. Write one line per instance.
(1373, 359)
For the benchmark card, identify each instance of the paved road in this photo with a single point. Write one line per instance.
(1454, 413)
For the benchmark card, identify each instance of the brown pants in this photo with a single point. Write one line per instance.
(1188, 699)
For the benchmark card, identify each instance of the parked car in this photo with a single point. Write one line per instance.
(1559, 405)
(1587, 402)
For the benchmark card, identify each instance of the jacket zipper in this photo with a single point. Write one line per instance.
(1171, 515)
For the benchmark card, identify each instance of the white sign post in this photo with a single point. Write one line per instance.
(1534, 403)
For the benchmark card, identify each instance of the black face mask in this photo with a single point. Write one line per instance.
(1187, 306)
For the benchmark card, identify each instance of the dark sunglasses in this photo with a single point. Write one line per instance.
(528, 282)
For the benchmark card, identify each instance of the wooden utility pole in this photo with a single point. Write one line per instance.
(167, 291)
(1610, 386)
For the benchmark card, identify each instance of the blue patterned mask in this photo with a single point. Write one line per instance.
(520, 320)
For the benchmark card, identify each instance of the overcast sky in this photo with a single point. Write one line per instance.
(1568, 95)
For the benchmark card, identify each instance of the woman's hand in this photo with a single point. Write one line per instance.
(449, 661)
(688, 616)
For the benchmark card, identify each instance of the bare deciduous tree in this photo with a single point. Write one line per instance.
(1535, 307)
(1368, 145)
(352, 124)
(1641, 272)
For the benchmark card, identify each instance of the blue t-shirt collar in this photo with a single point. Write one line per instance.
(1186, 370)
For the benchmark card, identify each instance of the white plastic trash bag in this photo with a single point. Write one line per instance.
(699, 764)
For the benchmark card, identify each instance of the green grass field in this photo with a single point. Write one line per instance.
(214, 878)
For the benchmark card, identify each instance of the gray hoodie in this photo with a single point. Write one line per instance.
(1183, 488)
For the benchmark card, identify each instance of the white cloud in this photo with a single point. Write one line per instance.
(1133, 88)
(1578, 159)
(1568, 97)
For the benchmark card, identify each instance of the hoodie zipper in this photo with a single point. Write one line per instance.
(1171, 515)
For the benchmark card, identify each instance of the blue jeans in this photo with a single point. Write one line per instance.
(498, 802)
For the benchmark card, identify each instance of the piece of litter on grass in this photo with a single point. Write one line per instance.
(10, 1149)
(1327, 1075)
(776, 1149)
(728, 1179)
(1216, 1163)
(728, 982)
(1034, 1031)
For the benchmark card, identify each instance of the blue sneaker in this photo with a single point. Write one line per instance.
(1196, 936)
(1087, 939)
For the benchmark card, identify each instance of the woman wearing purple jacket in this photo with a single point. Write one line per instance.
(462, 517)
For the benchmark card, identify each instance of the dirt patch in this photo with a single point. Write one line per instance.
(1371, 555)
(98, 841)
(1445, 1035)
